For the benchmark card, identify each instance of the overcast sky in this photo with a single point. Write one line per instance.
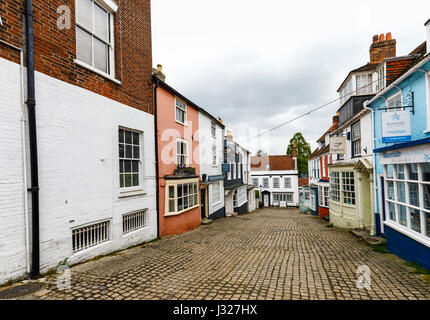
(257, 64)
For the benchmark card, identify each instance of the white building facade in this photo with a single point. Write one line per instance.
(211, 136)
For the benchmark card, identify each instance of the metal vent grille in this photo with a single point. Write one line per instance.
(90, 236)
(133, 221)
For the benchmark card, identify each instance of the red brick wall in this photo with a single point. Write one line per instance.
(381, 50)
(55, 50)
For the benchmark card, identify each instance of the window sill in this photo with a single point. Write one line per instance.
(101, 73)
(216, 204)
(411, 234)
(131, 193)
(171, 214)
(181, 123)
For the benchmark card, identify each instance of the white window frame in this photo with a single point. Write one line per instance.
(185, 155)
(254, 180)
(175, 184)
(213, 129)
(268, 183)
(240, 197)
(229, 172)
(381, 78)
(287, 183)
(184, 110)
(110, 8)
(335, 186)
(214, 155)
(356, 140)
(216, 193)
(347, 192)
(139, 186)
(276, 183)
(423, 236)
(367, 88)
(323, 196)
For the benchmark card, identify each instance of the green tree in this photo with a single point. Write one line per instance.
(303, 150)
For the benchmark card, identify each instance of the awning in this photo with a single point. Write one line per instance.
(363, 164)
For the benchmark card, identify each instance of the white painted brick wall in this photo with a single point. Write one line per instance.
(78, 170)
(12, 223)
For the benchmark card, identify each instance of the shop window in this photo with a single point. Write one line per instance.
(407, 197)
(335, 186)
(348, 188)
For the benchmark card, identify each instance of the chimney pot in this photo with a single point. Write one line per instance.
(375, 38)
(381, 37)
(388, 36)
(160, 67)
(384, 48)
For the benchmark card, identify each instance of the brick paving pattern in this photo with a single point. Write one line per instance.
(269, 254)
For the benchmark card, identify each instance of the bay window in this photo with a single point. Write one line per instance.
(181, 196)
(407, 196)
(335, 186)
(348, 188)
(239, 197)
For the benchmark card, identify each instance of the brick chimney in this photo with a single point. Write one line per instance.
(427, 24)
(159, 73)
(383, 46)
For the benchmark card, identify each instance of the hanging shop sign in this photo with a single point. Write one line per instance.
(338, 145)
(416, 154)
(396, 126)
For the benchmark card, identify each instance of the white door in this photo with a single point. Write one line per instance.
(266, 200)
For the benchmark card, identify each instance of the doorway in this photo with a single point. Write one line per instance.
(266, 200)
(203, 203)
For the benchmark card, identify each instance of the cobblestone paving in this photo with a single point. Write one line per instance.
(270, 254)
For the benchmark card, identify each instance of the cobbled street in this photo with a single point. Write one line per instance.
(269, 254)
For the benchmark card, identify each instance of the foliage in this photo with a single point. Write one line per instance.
(303, 149)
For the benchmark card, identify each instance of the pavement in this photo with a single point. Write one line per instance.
(271, 254)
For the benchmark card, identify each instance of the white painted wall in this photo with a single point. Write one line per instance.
(78, 171)
(12, 219)
(206, 141)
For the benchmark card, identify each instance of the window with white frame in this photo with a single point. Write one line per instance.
(216, 193)
(335, 186)
(266, 182)
(181, 111)
(407, 196)
(239, 197)
(129, 158)
(356, 139)
(255, 181)
(276, 183)
(283, 197)
(213, 129)
(348, 187)
(233, 168)
(364, 83)
(323, 196)
(214, 154)
(380, 83)
(94, 35)
(181, 196)
(181, 153)
(229, 172)
(287, 183)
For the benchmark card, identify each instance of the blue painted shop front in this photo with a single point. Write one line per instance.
(403, 169)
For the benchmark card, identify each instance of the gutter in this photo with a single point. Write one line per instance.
(31, 104)
(403, 77)
(157, 167)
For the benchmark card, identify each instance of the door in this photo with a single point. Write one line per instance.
(266, 200)
(203, 203)
(283, 200)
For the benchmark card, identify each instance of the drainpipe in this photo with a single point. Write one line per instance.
(372, 121)
(31, 104)
(24, 157)
(157, 168)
